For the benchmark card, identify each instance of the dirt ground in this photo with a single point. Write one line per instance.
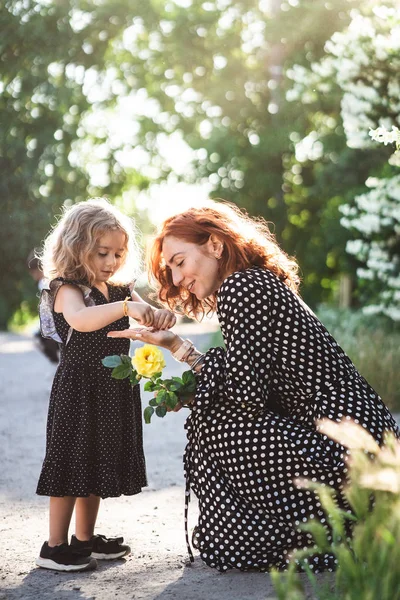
(151, 522)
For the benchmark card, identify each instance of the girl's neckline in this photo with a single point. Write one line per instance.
(107, 297)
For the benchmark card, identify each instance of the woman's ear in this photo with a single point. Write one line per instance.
(215, 246)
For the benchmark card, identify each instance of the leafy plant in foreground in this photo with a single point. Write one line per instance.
(368, 560)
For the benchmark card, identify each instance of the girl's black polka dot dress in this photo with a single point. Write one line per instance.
(94, 428)
(252, 429)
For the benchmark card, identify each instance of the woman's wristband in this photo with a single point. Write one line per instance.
(183, 350)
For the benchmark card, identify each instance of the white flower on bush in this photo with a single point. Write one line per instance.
(381, 134)
(364, 61)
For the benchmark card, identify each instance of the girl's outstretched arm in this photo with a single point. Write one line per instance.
(69, 301)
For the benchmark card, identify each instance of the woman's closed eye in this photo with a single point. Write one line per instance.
(180, 264)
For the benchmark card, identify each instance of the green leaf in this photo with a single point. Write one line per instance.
(112, 361)
(149, 386)
(177, 384)
(174, 387)
(171, 400)
(161, 396)
(161, 411)
(121, 372)
(134, 378)
(319, 534)
(167, 383)
(148, 413)
(156, 376)
(126, 360)
(190, 389)
(153, 402)
(188, 378)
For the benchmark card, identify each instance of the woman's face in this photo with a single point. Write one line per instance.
(192, 266)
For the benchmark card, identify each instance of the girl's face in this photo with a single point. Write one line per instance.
(108, 255)
(194, 267)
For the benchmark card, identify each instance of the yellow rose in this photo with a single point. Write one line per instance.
(148, 360)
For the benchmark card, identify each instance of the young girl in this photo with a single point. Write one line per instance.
(94, 431)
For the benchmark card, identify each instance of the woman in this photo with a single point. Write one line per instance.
(252, 431)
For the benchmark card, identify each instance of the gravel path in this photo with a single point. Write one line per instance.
(152, 522)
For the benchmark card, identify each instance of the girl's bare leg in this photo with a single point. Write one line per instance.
(86, 510)
(60, 517)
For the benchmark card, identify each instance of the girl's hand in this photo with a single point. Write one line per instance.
(142, 313)
(163, 319)
(165, 339)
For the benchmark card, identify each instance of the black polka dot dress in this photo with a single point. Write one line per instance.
(252, 429)
(94, 428)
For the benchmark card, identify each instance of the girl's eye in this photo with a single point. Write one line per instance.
(100, 254)
(118, 256)
(180, 264)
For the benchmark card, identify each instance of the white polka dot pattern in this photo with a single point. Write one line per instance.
(252, 429)
(94, 428)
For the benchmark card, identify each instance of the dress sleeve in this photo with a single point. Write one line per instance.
(241, 372)
(46, 305)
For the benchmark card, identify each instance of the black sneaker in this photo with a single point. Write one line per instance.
(64, 558)
(101, 547)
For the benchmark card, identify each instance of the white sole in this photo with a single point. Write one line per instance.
(99, 556)
(47, 563)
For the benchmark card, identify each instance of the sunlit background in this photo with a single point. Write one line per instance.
(159, 105)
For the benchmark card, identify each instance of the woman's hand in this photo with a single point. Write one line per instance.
(141, 312)
(165, 339)
(163, 319)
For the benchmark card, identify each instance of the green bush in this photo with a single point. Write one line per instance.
(373, 344)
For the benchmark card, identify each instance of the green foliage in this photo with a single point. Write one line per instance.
(168, 392)
(226, 95)
(212, 74)
(44, 60)
(368, 561)
(373, 344)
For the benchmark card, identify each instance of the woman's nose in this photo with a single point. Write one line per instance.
(177, 278)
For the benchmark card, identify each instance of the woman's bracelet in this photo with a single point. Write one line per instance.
(198, 362)
(194, 358)
(188, 353)
(183, 350)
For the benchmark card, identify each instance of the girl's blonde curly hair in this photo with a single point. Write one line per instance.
(68, 249)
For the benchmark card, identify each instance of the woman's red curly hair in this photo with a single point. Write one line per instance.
(247, 243)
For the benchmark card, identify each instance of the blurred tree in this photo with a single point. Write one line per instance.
(216, 73)
(89, 92)
(48, 52)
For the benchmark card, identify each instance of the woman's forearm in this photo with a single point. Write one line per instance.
(175, 344)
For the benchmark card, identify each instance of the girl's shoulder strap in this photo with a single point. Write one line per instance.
(46, 304)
